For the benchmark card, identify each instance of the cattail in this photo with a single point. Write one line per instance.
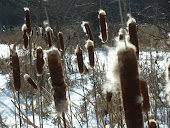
(145, 95)
(57, 79)
(87, 30)
(152, 124)
(60, 35)
(129, 78)
(167, 76)
(28, 21)
(109, 96)
(133, 33)
(25, 37)
(90, 47)
(16, 70)
(79, 53)
(49, 31)
(30, 81)
(103, 26)
(39, 61)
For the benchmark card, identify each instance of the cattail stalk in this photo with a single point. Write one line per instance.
(133, 33)
(28, 21)
(57, 79)
(16, 76)
(145, 95)
(49, 31)
(60, 35)
(90, 47)
(30, 81)
(79, 53)
(87, 30)
(25, 37)
(39, 61)
(130, 87)
(103, 26)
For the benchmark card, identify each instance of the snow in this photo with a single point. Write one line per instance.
(76, 94)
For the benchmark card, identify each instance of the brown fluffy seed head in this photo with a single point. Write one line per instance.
(90, 47)
(79, 53)
(129, 78)
(55, 67)
(145, 95)
(30, 81)
(60, 35)
(28, 21)
(109, 96)
(87, 30)
(49, 31)
(16, 70)
(39, 61)
(152, 123)
(133, 33)
(25, 37)
(103, 26)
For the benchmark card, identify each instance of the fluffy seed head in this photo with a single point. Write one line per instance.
(60, 35)
(49, 31)
(133, 33)
(25, 37)
(16, 70)
(39, 61)
(152, 123)
(28, 21)
(129, 79)
(87, 30)
(30, 81)
(145, 95)
(103, 26)
(79, 53)
(90, 47)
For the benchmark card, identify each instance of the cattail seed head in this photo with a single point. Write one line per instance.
(103, 26)
(145, 95)
(49, 31)
(109, 96)
(28, 21)
(133, 33)
(39, 61)
(30, 81)
(87, 30)
(79, 53)
(90, 47)
(129, 78)
(16, 70)
(60, 35)
(57, 79)
(25, 37)
(152, 124)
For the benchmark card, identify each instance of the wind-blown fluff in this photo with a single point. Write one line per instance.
(30, 81)
(132, 28)
(25, 37)
(103, 26)
(87, 30)
(57, 79)
(167, 78)
(90, 47)
(129, 79)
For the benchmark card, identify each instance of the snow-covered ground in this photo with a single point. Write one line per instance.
(7, 109)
